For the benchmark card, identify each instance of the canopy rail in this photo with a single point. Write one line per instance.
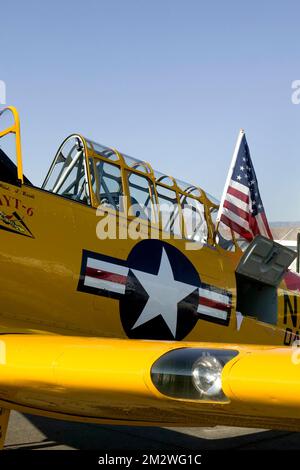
(14, 129)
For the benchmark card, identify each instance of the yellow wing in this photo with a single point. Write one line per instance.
(150, 382)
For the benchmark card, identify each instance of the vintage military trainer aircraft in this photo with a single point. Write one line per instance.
(113, 313)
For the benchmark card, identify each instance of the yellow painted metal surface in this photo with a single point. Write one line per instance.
(62, 370)
(266, 378)
(106, 380)
(15, 129)
(40, 270)
(42, 239)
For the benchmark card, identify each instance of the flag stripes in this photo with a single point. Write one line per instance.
(241, 211)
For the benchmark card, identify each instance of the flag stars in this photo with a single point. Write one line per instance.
(243, 177)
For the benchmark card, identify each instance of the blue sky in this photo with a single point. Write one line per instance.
(171, 82)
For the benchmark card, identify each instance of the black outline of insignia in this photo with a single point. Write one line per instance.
(114, 295)
(212, 319)
(93, 290)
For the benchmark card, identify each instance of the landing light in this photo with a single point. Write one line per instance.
(206, 376)
(194, 374)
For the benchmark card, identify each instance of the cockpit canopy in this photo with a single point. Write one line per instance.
(67, 175)
(90, 173)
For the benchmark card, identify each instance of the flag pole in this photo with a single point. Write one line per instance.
(232, 164)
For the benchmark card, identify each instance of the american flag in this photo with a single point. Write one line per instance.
(241, 209)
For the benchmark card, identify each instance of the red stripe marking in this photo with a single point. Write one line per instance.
(264, 218)
(105, 275)
(238, 194)
(254, 225)
(292, 281)
(213, 304)
(236, 210)
(236, 228)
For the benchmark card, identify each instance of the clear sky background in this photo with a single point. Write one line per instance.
(167, 81)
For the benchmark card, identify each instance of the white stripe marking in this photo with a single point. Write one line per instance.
(215, 296)
(240, 187)
(261, 226)
(235, 218)
(212, 312)
(237, 202)
(106, 285)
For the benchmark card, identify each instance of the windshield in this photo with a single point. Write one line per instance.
(67, 176)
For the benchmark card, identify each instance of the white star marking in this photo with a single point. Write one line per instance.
(164, 294)
(238, 177)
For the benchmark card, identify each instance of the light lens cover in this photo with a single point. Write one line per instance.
(192, 373)
(206, 376)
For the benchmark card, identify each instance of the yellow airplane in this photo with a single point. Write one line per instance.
(119, 304)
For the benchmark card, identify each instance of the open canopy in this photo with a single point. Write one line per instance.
(91, 173)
